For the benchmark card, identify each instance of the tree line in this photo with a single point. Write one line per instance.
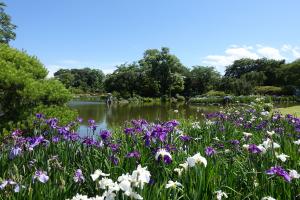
(160, 73)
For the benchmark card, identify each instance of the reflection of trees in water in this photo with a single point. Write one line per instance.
(152, 112)
(117, 114)
(91, 111)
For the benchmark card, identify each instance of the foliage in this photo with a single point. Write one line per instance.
(268, 67)
(233, 99)
(215, 93)
(164, 68)
(23, 85)
(7, 29)
(245, 73)
(86, 80)
(290, 74)
(203, 79)
(268, 90)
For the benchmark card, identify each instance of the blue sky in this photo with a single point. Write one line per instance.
(105, 33)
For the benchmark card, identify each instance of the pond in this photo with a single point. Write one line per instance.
(107, 117)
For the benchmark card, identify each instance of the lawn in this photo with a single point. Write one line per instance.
(295, 110)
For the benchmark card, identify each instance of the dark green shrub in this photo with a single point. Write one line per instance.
(268, 90)
(180, 98)
(215, 93)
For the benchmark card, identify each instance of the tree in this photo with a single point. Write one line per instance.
(123, 80)
(160, 65)
(23, 85)
(203, 79)
(87, 80)
(255, 78)
(268, 67)
(290, 74)
(6, 27)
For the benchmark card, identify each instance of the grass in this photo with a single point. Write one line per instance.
(294, 110)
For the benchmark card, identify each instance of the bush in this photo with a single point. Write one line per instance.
(215, 93)
(180, 98)
(64, 115)
(268, 90)
(164, 98)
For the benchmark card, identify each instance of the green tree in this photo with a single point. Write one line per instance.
(203, 79)
(86, 79)
(161, 66)
(290, 74)
(6, 27)
(123, 80)
(268, 67)
(23, 85)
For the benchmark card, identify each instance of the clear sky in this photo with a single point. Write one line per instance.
(105, 33)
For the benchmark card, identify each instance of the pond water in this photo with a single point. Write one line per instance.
(107, 117)
(115, 115)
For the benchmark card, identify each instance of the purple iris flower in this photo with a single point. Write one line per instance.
(114, 147)
(114, 160)
(185, 138)
(15, 151)
(16, 133)
(39, 115)
(79, 119)
(91, 121)
(212, 115)
(170, 148)
(209, 151)
(279, 130)
(55, 139)
(159, 132)
(167, 159)
(72, 137)
(297, 129)
(88, 141)
(92, 124)
(41, 176)
(164, 155)
(262, 125)
(133, 154)
(129, 131)
(52, 122)
(278, 170)
(63, 130)
(78, 177)
(33, 142)
(171, 124)
(253, 149)
(235, 142)
(147, 138)
(105, 134)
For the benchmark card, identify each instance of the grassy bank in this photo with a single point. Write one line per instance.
(295, 110)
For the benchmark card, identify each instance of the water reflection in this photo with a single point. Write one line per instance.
(116, 114)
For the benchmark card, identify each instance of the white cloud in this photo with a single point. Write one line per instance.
(231, 54)
(291, 49)
(235, 52)
(269, 52)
